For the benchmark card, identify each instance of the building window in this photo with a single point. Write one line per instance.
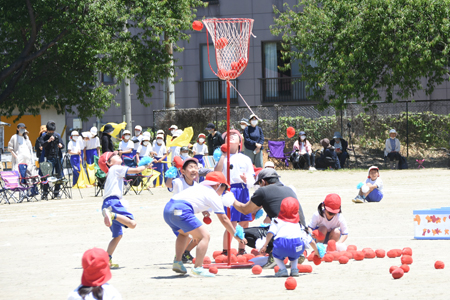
(278, 85)
(108, 79)
(212, 90)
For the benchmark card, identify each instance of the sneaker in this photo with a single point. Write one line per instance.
(107, 217)
(178, 267)
(282, 273)
(200, 272)
(113, 266)
(187, 257)
(358, 199)
(301, 259)
(312, 169)
(242, 252)
(270, 263)
(294, 272)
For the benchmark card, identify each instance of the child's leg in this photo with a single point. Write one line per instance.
(335, 234)
(180, 244)
(294, 264)
(202, 235)
(126, 221)
(191, 245)
(280, 263)
(113, 244)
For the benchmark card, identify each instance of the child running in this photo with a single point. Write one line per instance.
(290, 240)
(329, 220)
(115, 214)
(372, 190)
(179, 214)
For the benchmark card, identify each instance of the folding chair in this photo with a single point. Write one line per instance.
(65, 183)
(100, 178)
(29, 181)
(46, 179)
(276, 150)
(11, 185)
(132, 181)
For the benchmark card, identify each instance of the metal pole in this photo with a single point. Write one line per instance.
(228, 166)
(407, 130)
(169, 89)
(126, 102)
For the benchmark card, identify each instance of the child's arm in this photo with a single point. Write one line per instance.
(169, 184)
(343, 238)
(314, 246)
(138, 169)
(268, 239)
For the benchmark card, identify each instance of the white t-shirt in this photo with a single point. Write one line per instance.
(337, 221)
(160, 150)
(242, 164)
(144, 150)
(179, 184)
(378, 182)
(114, 181)
(136, 145)
(200, 149)
(288, 230)
(93, 143)
(74, 146)
(109, 293)
(155, 144)
(202, 198)
(124, 146)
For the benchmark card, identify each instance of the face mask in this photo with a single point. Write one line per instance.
(137, 132)
(145, 143)
(201, 140)
(126, 137)
(243, 126)
(159, 142)
(303, 137)
(254, 122)
(21, 131)
(211, 131)
(184, 155)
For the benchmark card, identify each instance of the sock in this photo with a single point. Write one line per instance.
(294, 264)
(114, 215)
(280, 263)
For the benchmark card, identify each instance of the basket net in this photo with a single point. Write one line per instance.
(231, 39)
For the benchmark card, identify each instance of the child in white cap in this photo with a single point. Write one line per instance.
(372, 190)
(75, 150)
(92, 146)
(126, 146)
(137, 138)
(160, 154)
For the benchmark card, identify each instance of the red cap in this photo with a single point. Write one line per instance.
(214, 178)
(178, 162)
(103, 159)
(333, 203)
(289, 210)
(95, 263)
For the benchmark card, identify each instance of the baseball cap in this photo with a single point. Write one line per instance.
(138, 127)
(96, 270)
(214, 178)
(74, 133)
(266, 174)
(184, 148)
(103, 159)
(301, 133)
(177, 162)
(93, 130)
(126, 132)
(160, 131)
(289, 210)
(269, 164)
(21, 125)
(372, 168)
(174, 127)
(201, 135)
(190, 159)
(210, 126)
(332, 203)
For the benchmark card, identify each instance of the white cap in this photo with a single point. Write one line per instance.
(94, 130)
(160, 131)
(138, 127)
(254, 116)
(269, 164)
(126, 132)
(146, 138)
(75, 133)
(178, 132)
(392, 131)
(146, 133)
(86, 134)
(174, 127)
(160, 136)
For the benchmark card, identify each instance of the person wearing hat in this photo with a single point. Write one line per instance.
(37, 145)
(268, 196)
(144, 149)
(92, 146)
(253, 141)
(160, 154)
(52, 144)
(107, 143)
(179, 214)
(20, 147)
(200, 149)
(214, 138)
(172, 129)
(115, 215)
(372, 190)
(328, 158)
(340, 147)
(392, 148)
(160, 132)
(328, 219)
(75, 150)
(137, 138)
(302, 153)
(126, 146)
(94, 281)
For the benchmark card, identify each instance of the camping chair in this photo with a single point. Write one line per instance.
(276, 150)
(46, 171)
(11, 185)
(29, 181)
(131, 181)
(100, 178)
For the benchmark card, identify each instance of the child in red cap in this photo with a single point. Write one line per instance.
(95, 276)
(115, 214)
(329, 220)
(290, 240)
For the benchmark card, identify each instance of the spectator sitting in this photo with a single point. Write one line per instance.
(328, 158)
(392, 150)
(340, 147)
(302, 153)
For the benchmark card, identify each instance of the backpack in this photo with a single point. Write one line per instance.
(402, 163)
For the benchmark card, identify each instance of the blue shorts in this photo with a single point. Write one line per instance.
(240, 192)
(374, 196)
(117, 207)
(179, 214)
(290, 248)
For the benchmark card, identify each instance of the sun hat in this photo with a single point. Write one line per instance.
(108, 128)
(126, 132)
(245, 121)
(373, 168)
(269, 164)
(254, 116)
(289, 210)
(214, 178)
(42, 129)
(93, 130)
(174, 127)
(146, 133)
(332, 203)
(325, 143)
(103, 159)
(96, 271)
(201, 135)
(392, 131)
(86, 134)
(337, 135)
(266, 174)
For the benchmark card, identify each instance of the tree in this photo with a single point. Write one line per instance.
(361, 47)
(51, 51)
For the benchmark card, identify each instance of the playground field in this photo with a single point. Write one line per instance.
(41, 245)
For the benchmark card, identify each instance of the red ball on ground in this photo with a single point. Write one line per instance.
(304, 268)
(206, 260)
(331, 246)
(290, 132)
(392, 253)
(276, 269)
(221, 43)
(249, 256)
(290, 283)
(439, 264)
(234, 258)
(234, 251)
(254, 252)
(391, 269)
(242, 259)
(359, 255)
(352, 252)
(352, 247)
(407, 260)
(407, 251)
(405, 268)
(207, 220)
(336, 255)
(347, 254)
(310, 257)
(328, 258)
(366, 249)
(317, 260)
(398, 273)
(216, 253)
(256, 270)
(380, 253)
(343, 260)
(221, 259)
(213, 270)
(399, 252)
(369, 254)
(197, 25)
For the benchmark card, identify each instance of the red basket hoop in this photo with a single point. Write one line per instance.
(231, 39)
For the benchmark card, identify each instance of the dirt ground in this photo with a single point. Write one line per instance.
(41, 245)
